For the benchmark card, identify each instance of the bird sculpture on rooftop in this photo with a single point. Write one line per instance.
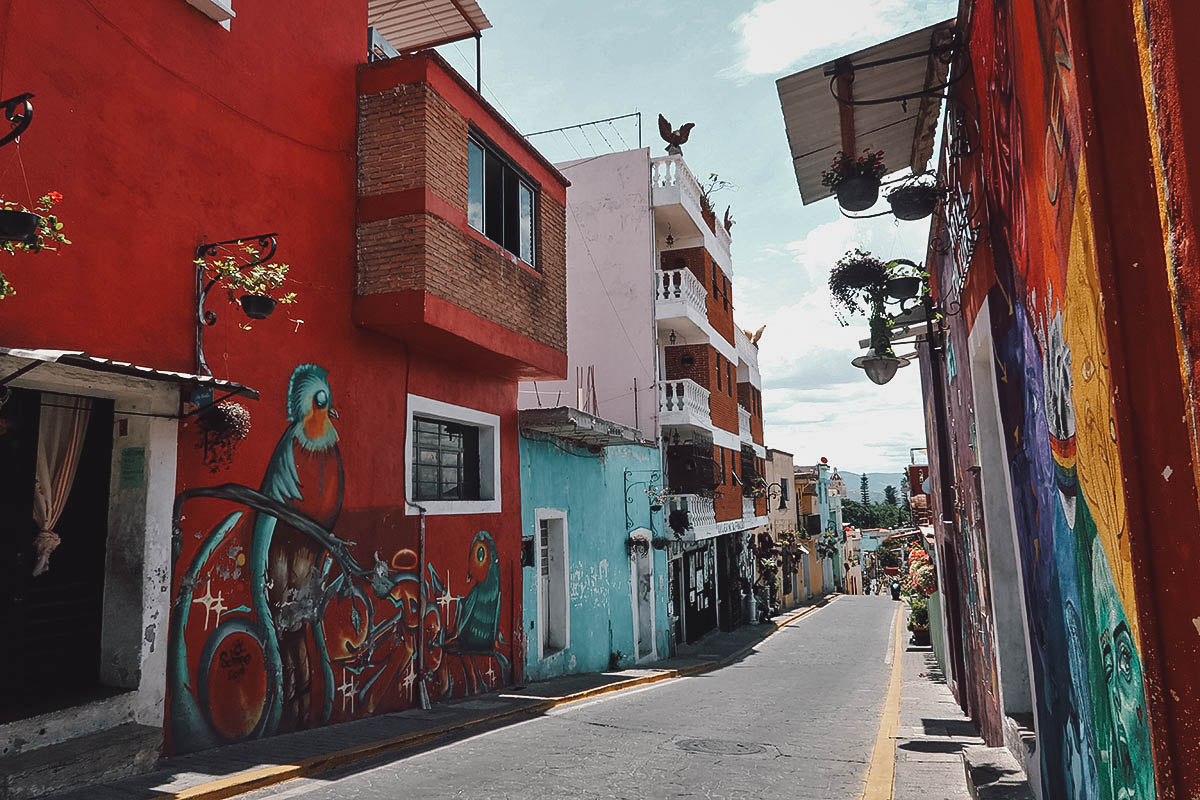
(673, 138)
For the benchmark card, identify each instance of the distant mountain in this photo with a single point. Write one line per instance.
(877, 481)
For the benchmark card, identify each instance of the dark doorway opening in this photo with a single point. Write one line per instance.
(52, 622)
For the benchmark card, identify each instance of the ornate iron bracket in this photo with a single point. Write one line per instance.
(944, 51)
(19, 113)
(205, 318)
(655, 478)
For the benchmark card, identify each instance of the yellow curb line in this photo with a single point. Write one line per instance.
(881, 774)
(262, 777)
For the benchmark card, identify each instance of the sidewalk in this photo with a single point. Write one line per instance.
(932, 734)
(246, 766)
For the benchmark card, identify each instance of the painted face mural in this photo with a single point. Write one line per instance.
(300, 627)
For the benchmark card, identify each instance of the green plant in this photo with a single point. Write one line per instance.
(710, 187)
(856, 274)
(265, 280)
(869, 164)
(47, 234)
(919, 613)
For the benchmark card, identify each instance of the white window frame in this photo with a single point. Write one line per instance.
(219, 11)
(540, 514)
(489, 456)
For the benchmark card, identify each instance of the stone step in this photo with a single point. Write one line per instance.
(96, 758)
(993, 774)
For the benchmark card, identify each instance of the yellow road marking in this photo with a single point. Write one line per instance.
(882, 770)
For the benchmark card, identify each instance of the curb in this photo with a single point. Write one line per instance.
(261, 778)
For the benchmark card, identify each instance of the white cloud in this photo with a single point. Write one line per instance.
(779, 34)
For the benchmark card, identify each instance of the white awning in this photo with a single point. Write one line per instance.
(903, 130)
(411, 25)
(77, 358)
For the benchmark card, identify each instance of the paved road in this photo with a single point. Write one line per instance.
(796, 719)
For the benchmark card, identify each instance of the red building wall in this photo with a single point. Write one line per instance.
(163, 130)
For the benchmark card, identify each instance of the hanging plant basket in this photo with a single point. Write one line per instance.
(224, 427)
(257, 306)
(905, 287)
(914, 201)
(19, 226)
(856, 273)
(858, 192)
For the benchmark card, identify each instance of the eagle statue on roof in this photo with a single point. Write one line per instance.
(673, 138)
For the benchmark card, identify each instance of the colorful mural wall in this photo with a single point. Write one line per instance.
(282, 621)
(1024, 237)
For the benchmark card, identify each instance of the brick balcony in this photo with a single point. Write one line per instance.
(426, 276)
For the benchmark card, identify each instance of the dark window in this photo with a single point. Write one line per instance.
(445, 460)
(716, 283)
(501, 202)
(729, 378)
(725, 299)
(783, 494)
(718, 371)
(721, 454)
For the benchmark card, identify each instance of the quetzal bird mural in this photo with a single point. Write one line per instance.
(280, 624)
(305, 472)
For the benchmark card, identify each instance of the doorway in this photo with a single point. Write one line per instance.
(553, 619)
(53, 621)
(642, 576)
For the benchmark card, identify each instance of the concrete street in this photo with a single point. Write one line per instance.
(796, 718)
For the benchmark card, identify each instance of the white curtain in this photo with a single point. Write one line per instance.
(64, 420)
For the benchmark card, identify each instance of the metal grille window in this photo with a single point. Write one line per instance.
(501, 201)
(445, 460)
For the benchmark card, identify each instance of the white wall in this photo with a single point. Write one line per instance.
(610, 300)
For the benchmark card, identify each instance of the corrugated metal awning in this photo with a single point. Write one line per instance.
(575, 426)
(903, 130)
(411, 25)
(78, 358)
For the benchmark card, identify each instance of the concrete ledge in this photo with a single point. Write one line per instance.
(98, 757)
(993, 774)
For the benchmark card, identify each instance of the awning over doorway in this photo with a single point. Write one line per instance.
(819, 124)
(78, 359)
(580, 428)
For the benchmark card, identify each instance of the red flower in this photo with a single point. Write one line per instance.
(55, 197)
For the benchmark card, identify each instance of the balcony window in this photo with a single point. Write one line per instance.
(729, 378)
(501, 201)
(718, 372)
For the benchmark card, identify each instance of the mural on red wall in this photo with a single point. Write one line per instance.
(278, 624)
(1057, 405)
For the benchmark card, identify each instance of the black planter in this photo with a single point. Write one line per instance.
(920, 637)
(257, 306)
(913, 202)
(903, 288)
(19, 226)
(857, 193)
(656, 506)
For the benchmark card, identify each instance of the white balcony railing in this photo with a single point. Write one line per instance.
(682, 285)
(684, 402)
(748, 507)
(672, 172)
(745, 432)
(701, 515)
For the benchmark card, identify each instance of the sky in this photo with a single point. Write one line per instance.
(550, 64)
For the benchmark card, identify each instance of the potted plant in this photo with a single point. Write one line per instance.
(855, 181)
(709, 188)
(256, 288)
(638, 543)
(913, 201)
(224, 426)
(918, 620)
(857, 275)
(904, 282)
(657, 496)
(29, 229)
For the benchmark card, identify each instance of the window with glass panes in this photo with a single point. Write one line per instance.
(445, 460)
(501, 202)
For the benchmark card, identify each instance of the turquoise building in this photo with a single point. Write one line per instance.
(595, 581)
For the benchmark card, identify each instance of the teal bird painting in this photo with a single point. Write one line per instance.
(305, 472)
(478, 628)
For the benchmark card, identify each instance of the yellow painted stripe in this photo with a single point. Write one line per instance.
(882, 770)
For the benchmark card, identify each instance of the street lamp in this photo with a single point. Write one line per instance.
(880, 368)
(881, 363)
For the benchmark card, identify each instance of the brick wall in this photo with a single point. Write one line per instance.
(412, 140)
(728, 502)
(700, 370)
(722, 403)
(719, 305)
(750, 399)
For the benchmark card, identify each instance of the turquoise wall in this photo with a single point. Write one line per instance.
(590, 488)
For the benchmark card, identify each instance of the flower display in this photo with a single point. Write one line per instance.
(869, 164)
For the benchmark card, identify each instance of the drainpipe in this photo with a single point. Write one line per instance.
(422, 691)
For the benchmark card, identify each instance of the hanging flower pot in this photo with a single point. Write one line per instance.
(19, 226)
(224, 426)
(905, 287)
(914, 201)
(858, 192)
(656, 506)
(257, 306)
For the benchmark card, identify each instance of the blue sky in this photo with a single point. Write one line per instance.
(549, 64)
